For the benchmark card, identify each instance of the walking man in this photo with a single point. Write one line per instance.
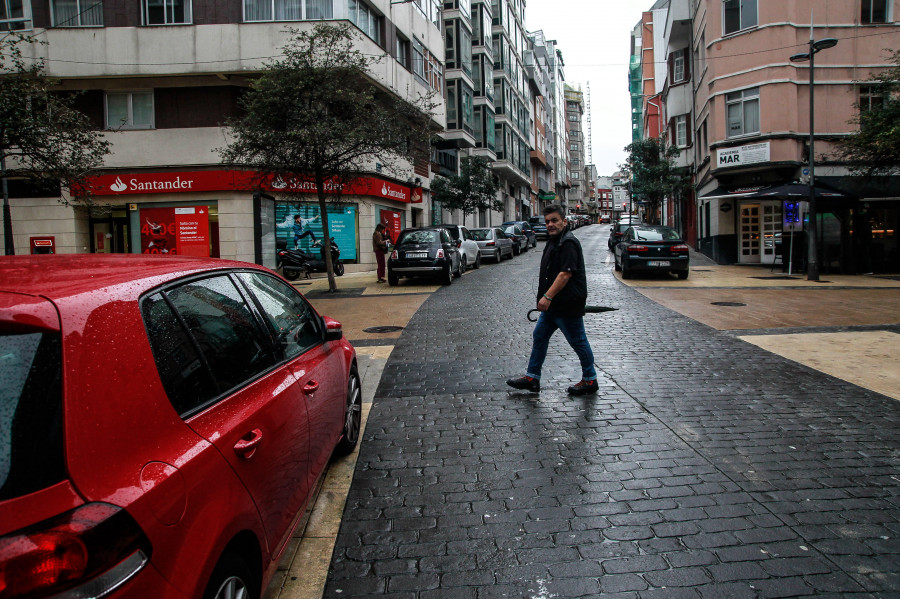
(561, 297)
(301, 230)
(379, 246)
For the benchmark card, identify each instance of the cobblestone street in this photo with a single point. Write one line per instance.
(706, 466)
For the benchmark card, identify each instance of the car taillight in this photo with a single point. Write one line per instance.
(680, 248)
(394, 255)
(440, 254)
(86, 552)
(637, 248)
(490, 244)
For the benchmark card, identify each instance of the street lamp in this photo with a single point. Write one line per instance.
(812, 264)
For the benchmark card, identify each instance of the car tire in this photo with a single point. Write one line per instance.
(626, 272)
(683, 274)
(393, 280)
(352, 417)
(616, 264)
(499, 255)
(516, 250)
(462, 266)
(232, 577)
(447, 276)
(477, 264)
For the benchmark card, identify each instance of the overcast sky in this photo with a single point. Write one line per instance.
(595, 39)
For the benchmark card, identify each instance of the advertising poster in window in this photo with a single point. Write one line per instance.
(392, 220)
(181, 231)
(300, 225)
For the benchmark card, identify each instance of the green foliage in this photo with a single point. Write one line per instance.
(653, 173)
(42, 136)
(473, 190)
(875, 148)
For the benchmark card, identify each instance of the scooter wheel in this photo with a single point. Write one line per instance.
(291, 274)
(339, 269)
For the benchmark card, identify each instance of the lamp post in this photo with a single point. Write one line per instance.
(812, 263)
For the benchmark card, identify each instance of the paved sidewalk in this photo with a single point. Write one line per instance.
(706, 466)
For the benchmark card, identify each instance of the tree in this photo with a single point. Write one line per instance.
(472, 190)
(875, 148)
(653, 173)
(314, 116)
(43, 138)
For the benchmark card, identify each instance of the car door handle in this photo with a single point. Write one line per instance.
(246, 447)
(310, 387)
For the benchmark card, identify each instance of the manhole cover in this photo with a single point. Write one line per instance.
(734, 304)
(385, 329)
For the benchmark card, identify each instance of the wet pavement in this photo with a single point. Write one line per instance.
(706, 466)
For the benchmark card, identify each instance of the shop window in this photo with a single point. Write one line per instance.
(76, 13)
(743, 112)
(875, 11)
(129, 110)
(739, 15)
(166, 12)
(15, 15)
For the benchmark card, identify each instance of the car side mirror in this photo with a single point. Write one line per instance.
(334, 331)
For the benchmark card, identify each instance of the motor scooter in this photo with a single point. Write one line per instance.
(297, 263)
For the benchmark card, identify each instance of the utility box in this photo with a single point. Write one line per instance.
(43, 245)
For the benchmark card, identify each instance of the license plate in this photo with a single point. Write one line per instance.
(416, 254)
(659, 263)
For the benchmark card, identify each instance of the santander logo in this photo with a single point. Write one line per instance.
(118, 186)
(384, 189)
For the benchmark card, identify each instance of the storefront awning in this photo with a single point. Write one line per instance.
(724, 192)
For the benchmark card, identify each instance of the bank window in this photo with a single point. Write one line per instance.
(129, 110)
(166, 12)
(76, 13)
(15, 15)
(739, 15)
(870, 97)
(875, 11)
(743, 112)
(288, 10)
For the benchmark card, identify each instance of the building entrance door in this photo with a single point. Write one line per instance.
(772, 226)
(749, 239)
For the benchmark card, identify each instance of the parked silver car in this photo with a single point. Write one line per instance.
(469, 252)
(493, 243)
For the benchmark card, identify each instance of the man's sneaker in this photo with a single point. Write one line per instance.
(526, 383)
(583, 388)
(316, 243)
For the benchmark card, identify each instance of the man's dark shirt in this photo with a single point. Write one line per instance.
(563, 254)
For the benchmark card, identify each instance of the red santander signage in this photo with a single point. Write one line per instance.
(231, 180)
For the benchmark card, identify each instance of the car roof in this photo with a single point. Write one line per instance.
(65, 275)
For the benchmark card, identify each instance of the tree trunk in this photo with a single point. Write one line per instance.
(326, 237)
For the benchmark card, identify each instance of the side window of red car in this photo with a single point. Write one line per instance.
(223, 347)
(294, 323)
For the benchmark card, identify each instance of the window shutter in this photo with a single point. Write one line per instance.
(671, 65)
(688, 132)
(687, 66)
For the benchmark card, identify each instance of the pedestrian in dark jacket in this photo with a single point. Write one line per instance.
(561, 298)
(379, 246)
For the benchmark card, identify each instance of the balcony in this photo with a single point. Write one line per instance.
(538, 157)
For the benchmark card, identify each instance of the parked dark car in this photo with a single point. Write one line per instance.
(648, 248)
(165, 420)
(493, 243)
(519, 238)
(539, 227)
(425, 252)
(616, 233)
(526, 228)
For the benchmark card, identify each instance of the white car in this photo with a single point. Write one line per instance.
(469, 253)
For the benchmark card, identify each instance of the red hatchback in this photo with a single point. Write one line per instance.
(163, 422)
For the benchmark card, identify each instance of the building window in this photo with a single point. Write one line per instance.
(874, 11)
(76, 13)
(739, 15)
(290, 10)
(167, 12)
(430, 9)
(573, 118)
(403, 52)
(361, 15)
(679, 66)
(573, 134)
(573, 147)
(129, 110)
(870, 96)
(15, 15)
(681, 131)
(575, 175)
(418, 61)
(743, 112)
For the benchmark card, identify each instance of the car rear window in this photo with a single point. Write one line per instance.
(656, 235)
(418, 237)
(481, 234)
(31, 435)
(454, 232)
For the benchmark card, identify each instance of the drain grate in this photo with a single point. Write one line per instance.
(777, 278)
(383, 329)
(732, 304)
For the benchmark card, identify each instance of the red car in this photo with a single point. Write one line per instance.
(163, 421)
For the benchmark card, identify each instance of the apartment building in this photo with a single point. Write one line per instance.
(578, 193)
(163, 76)
(538, 67)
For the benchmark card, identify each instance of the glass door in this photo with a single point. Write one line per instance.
(772, 226)
(750, 229)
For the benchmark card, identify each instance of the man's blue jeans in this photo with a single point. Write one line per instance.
(572, 328)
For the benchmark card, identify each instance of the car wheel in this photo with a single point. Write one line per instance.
(477, 264)
(291, 275)
(683, 274)
(352, 417)
(626, 272)
(339, 269)
(447, 276)
(616, 264)
(462, 266)
(393, 279)
(516, 250)
(499, 255)
(231, 579)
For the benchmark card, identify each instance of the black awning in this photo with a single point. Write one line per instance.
(730, 192)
